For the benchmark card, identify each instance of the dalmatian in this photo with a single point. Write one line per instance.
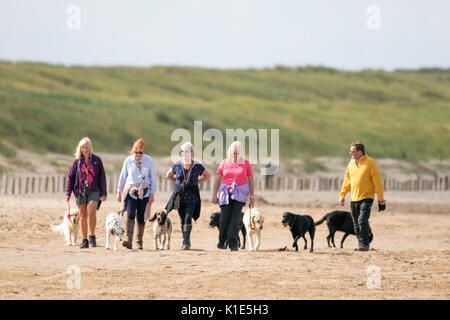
(113, 228)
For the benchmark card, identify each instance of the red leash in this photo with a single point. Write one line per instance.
(68, 214)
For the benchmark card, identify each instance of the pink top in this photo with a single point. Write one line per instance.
(234, 172)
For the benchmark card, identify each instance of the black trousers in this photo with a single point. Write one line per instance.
(185, 212)
(136, 209)
(230, 223)
(360, 216)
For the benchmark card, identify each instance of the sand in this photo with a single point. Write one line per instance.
(411, 251)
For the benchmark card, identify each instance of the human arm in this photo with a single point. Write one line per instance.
(154, 181)
(170, 175)
(122, 180)
(205, 176)
(346, 186)
(102, 180)
(217, 182)
(377, 182)
(70, 182)
(251, 183)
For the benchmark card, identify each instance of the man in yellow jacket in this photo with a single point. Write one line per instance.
(364, 180)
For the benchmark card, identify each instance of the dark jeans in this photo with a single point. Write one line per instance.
(185, 212)
(136, 209)
(230, 223)
(360, 216)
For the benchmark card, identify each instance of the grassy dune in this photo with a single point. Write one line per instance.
(402, 114)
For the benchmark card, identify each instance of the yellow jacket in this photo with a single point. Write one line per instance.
(363, 179)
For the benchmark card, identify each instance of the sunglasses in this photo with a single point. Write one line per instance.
(139, 152)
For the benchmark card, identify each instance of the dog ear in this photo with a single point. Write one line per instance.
(153, 218)
(291, 218)
(252, 222)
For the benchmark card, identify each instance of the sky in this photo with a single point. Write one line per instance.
(342, 34)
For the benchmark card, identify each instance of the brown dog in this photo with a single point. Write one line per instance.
(162, 228)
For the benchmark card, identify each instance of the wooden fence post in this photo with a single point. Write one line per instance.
(19, 185)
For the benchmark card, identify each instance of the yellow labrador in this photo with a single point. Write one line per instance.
(253, 221)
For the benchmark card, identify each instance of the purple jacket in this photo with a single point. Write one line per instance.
(238, 193)
(99, 184)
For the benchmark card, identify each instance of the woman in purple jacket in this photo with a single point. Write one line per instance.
(87, 181)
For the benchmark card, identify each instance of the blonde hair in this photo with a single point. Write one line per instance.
(82, 142)
(238, 146)
(138, 146)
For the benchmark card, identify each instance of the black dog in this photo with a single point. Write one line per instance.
(214, 221)
(340, 221)
(299, 225)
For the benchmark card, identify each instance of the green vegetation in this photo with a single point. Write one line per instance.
(403, 114)
(6, 151)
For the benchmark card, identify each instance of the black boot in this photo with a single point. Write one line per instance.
(92, 241)
(187, 236)
(84, 244)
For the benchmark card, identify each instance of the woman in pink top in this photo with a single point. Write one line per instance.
(234, 183)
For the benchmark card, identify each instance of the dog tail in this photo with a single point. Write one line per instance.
(322, 220)
(59, 228)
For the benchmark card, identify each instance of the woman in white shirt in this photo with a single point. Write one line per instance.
(136, 187)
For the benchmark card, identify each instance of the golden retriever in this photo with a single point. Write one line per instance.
(253, 221)
(69, 227)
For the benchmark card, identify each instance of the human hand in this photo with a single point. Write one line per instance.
(252, 201)
(103, 198)
(214, 199)
(381, 205)
(119, 197)
(342, 202)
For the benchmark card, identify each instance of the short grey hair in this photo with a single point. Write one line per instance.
(187, 145)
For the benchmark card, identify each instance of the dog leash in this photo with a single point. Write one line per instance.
(68, 213)
(250, 206)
